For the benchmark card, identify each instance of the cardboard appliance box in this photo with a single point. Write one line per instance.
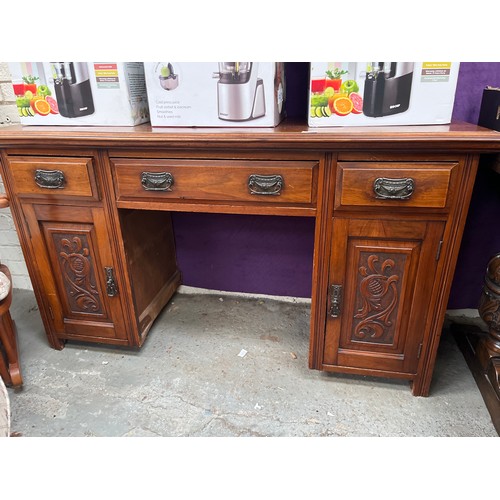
(230, 94)
(80, 93)
(381, 93)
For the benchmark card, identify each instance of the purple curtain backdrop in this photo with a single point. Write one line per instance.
(245, 253)
(273, 255)
(481, 239)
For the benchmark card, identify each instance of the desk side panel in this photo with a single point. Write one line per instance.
(151, 262)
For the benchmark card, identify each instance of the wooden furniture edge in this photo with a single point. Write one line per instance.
(455, 136)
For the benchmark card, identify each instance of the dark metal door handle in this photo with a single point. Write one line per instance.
(265, 184)
(49, 179)
(111, 288)
(157, 181)
(335, 300)
(393, 189)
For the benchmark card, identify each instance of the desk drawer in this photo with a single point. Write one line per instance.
(394, 184)
(53, 177)
(216, 180)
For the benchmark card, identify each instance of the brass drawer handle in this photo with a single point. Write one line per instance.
(49, 179)
(265, 184)
(393, 189)
(157, 181)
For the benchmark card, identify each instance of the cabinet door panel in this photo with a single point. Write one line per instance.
(385, 270)
(71, 258)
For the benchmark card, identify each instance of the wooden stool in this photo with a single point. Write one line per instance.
(9, 360)
(481, 349)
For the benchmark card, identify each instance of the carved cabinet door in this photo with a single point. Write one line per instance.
(381, 278)
(76, 273)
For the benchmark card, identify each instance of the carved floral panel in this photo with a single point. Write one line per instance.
(78, 274)
(378, 286)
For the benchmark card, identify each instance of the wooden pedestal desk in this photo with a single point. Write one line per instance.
(92, 209)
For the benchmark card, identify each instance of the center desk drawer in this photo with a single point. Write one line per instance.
(394, 184)
(216, 180)
(54, 177)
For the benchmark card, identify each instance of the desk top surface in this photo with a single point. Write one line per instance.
(289, 134)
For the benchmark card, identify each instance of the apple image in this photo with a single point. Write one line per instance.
(349, 86)
(43, 90)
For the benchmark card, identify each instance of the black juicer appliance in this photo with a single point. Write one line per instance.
(72, 86)
(240, 94)
(387, 88)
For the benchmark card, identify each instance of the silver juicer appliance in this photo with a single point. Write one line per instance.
(72, 87)
(387, 88)
(240, 93)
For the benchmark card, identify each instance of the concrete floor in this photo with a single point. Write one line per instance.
(189, 380)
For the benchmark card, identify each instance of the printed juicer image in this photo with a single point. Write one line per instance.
(72, 87)
(240, 93)
(168, 79)
(387, 88)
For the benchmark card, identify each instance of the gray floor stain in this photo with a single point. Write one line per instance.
(188, 380)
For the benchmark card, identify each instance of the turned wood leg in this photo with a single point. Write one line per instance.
(4, 370)
(9, 345)
(488, 349)
(9, 359)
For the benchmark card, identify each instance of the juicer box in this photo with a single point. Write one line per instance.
(381, 93)
(224, 94)
(80, 93)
